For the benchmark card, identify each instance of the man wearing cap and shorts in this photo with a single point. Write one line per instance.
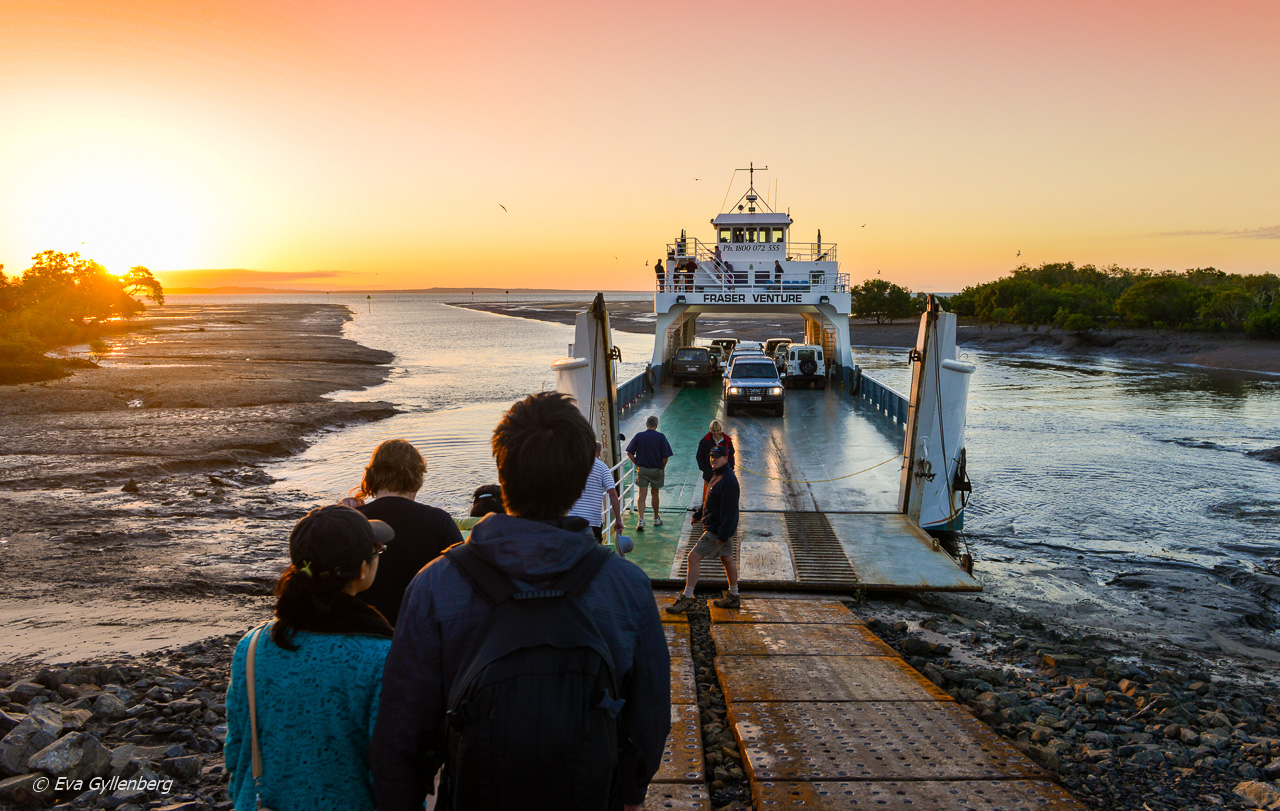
(649, 452)
(719, 522)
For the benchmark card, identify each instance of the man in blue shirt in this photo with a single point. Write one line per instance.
(719, 516)
(649, 452)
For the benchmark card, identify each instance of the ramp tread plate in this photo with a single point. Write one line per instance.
(816, 551)
(684, 688)
(677, 797)
(677, 636)
(916, 795)
(665, 599)
(682, 756)
(783, 609)
(823, 678)
(797, 640)
(874, 740)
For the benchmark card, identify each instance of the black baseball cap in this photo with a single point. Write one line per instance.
(718, 450)
(334, 540)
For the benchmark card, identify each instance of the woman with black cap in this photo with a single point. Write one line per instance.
(304, 688)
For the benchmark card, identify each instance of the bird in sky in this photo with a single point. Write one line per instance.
(504, 208)
(1019, 254)
(864, 225)
(697, 178)
(877, 271)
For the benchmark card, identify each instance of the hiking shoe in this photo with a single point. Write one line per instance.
(657, 520)
(727, 601)
(640, 526)
(680, 606)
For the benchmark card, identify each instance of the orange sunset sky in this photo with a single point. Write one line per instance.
(332, 145)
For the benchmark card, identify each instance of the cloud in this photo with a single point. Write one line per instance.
(1270, 232)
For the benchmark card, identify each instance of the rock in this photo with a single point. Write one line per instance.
(130, 487)
(186, 767)
(1061, 660)
(1272, 770)
(109, 708)
(190, 805)
(21, 790)
(8, 721)
(34, 733)
(75, 719)
(75, 755)
(23, 691)
(121, 755)
(1261, 795)
(51, 678)
(915, 646)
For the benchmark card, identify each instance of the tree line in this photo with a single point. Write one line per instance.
(63, 299)
(1087, 298)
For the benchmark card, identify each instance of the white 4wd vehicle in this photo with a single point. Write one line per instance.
(806, 364)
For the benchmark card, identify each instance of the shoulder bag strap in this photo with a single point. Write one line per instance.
(253, 709)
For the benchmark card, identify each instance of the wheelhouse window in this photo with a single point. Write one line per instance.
(778, 235)
(724, 234)
(738, 234)
(765, 235)
(751, 235)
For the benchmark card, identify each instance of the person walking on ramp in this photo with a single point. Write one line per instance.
(719, 523)
(649, 451)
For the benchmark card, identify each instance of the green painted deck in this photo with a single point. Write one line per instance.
(806, 521)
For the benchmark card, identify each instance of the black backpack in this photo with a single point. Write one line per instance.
(533, 715)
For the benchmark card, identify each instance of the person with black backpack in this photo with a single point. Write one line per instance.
(529, 662)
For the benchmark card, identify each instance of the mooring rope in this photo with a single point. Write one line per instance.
(819, 481)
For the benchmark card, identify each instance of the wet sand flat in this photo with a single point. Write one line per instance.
(134, 511)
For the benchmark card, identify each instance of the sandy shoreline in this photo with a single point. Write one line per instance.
(187, 407)
(1226, 352)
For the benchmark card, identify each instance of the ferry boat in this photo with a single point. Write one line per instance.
(842, 492)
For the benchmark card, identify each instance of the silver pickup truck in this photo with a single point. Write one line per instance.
(753, 381)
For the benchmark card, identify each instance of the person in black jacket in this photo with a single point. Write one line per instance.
(715, 438)
(719, 522)
(392, 479)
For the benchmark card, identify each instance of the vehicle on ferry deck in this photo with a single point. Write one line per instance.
(752, 380)
(726, 345)
(693, 363)
(773, 345)
(805, 365)
(718, 357)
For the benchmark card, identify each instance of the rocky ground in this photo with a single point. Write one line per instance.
(1120, 728)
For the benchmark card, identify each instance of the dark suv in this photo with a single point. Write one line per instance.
(753, 380)
(692, 363)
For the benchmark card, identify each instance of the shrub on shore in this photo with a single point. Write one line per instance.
(1085, 298)
(62, 299)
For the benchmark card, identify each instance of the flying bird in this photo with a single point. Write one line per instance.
(864, 225)
(697, 178)
(504, 208)
(877, 271)
(1019, 254)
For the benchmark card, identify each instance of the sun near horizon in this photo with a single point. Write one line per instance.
(332, 146)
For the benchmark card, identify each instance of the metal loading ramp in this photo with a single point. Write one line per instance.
(819, 494)
(829, 717)
(826, 551)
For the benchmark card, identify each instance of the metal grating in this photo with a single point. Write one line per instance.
(925, 795)
(677, 797)
(684, 688)
(677, 638)
(816, 550)
(786, 609)
(823, 678)
(906, 740)
(682, 756)
(796, 640)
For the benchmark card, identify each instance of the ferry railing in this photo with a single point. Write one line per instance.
(634, 389)
(881, 398)
(624, 476)
(811, 252)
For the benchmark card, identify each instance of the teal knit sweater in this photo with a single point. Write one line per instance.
(316, 710)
